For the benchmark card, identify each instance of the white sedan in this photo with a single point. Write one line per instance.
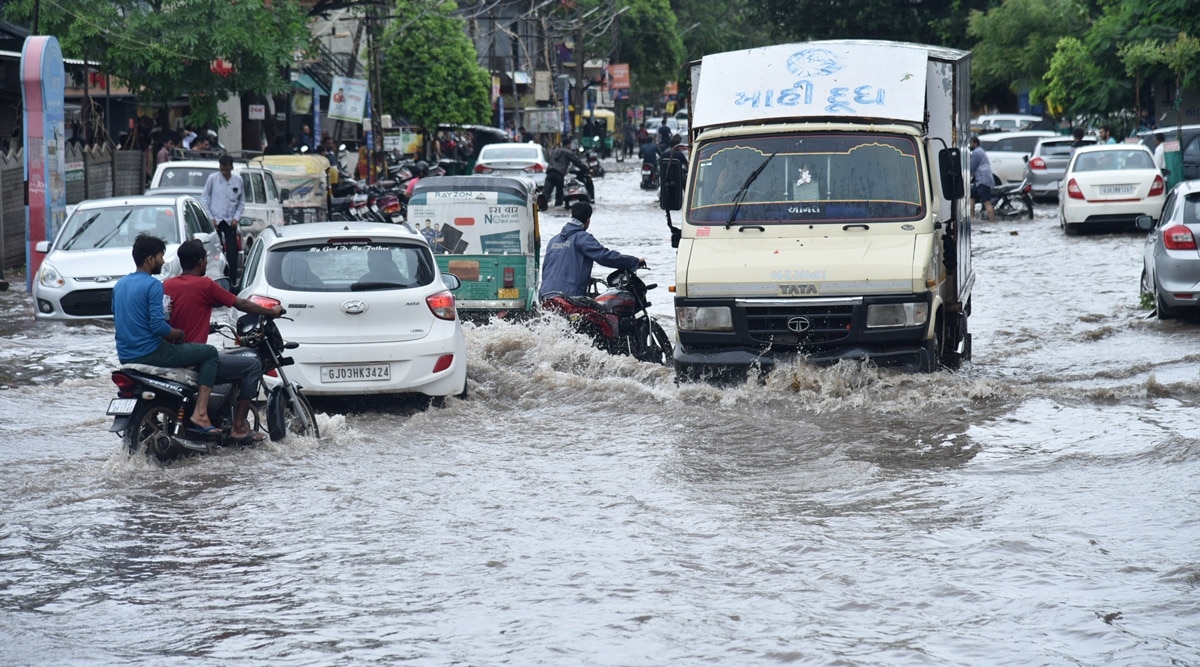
(1109, 186)
(370, 310)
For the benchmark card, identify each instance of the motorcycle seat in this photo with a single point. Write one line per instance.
(187, 376)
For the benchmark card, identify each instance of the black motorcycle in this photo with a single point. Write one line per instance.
(579, 188)
(617, 319)
(649, 177)
(153, 406)
(592, 159)
(1013, 201)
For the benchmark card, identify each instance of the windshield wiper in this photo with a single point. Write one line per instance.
(79, 232)
(741, 193)
(116, 228)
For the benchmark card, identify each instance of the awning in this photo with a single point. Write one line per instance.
(306, 81)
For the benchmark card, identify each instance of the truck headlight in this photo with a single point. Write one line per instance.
(884, 315)
(48, 276)
(704, 318)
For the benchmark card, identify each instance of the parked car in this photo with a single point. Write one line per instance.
(367, 304)
(653, 122)
(263, 201)
(1170, 257)
(1190, 147)
(1008, 152)
(1003, 122)
(1048, 162)
(1110, 185)
(92, 251)
(521, 160)
(682, 119)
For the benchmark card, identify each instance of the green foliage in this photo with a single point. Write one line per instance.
(649, 42)
(1070, 81)
(1016, 40)
(430, 75)
(924, 21)
(164, 50)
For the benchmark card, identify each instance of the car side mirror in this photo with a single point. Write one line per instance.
(1025, 158)
(42, 247)
(1144, 222)
(284, 195)
(451, 281)
(1165, 171)
(248, 222)
(950, 170)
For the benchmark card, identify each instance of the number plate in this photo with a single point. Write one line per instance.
(121, 406)
(1116, 189)
(509, 293)
(358, 373)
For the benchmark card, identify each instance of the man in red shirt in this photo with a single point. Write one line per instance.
(193, 295)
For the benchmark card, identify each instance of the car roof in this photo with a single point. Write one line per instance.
(206, 164)
(994, 136)
(149, 199)
(509, 144)
(1007, 116)
(1100, 148)
(325, 230)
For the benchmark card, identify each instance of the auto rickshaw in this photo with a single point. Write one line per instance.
(602, 117)
(306, 178)
(484, 230)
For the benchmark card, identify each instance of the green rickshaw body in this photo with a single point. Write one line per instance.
(484, 230)
(604, 116)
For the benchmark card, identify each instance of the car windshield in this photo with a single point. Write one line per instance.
(349, 265)
(811, 179)
(1110, 160)
(1060, 148)
(118, 226)
(1191, 209)
(509, 153)
(185, 177)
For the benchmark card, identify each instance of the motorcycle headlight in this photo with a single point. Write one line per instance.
(48, 276)
(895, 315)
(704, 318)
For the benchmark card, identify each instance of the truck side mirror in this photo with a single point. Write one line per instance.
(950, 172)
(670, 195)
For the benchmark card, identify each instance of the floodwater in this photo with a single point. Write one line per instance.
(1037, 507)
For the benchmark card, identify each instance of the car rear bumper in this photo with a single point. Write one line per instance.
(330, 369)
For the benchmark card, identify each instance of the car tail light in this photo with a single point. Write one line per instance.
(510, 276)
(1037, 164)
(442, 305)
(483, 169)
(1027, 189)
(443, 363)
(1073, 190)
(534, 169)
(1178, 237)
(125, 384)
(264, 301)
(1158, 187)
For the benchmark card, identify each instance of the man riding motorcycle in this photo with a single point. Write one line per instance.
(561, 160)
(567, 268)
(650, 156)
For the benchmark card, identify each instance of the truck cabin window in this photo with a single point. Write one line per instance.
(828, 178)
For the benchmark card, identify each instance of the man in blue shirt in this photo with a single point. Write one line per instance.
(143, 335)
(567, 268)
(224, 198)
(981, 179)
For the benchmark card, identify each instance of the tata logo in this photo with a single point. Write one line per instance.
(354, 307)
(798, 289)
(799, 324)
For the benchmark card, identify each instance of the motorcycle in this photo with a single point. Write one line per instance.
(649, 177)
(617, 319)
(592, 159)
(1013, 201)
(153, 406)
(579, 188)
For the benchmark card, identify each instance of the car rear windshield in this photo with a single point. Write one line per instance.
(118, 226)
(1062, 148)
(1111, 160)
(185, 177)
(349, 265)
(807, 178)
(511, 153)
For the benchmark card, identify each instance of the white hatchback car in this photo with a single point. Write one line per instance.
(367, 304)
(92, 251)
(1110, 185)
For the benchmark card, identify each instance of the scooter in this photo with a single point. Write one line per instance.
(153, 406)
(579, 188)
(592, 158)
(617, 319)
(649, 177)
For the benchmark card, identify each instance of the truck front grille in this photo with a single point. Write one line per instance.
(799, 327)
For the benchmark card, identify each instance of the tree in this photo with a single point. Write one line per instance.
(924, 21)
(431, 75)
(1070, 81)
(165, 50)
(650, 43)
(1016, 40)
(1181, 57)
(1138, 58)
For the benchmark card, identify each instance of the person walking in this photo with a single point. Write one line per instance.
(981, 177)
(561, 160)
(224, 197)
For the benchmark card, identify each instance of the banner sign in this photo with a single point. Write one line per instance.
(473, 222)
(349, 99)
(619, 73)
(43, 82)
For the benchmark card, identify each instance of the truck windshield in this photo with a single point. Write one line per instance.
(813, 178)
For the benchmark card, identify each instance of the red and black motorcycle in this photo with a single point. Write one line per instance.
(617, 319)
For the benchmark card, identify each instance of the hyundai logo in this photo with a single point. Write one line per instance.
(799, 324)
(354, 307)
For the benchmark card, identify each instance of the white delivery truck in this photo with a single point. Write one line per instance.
(824, 208)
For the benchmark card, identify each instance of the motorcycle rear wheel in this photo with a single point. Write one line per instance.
(287, 417)
(150, 429)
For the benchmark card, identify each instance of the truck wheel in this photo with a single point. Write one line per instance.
(930, 360)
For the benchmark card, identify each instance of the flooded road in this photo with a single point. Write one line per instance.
(1037, 507)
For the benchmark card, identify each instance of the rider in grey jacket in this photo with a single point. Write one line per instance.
(567, 268)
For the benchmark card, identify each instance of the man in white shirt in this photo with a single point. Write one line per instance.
(224, 198)
(1160, 150)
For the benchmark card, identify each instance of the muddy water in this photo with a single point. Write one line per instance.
(1037, 507)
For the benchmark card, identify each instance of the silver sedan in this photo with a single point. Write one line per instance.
(1170, 259)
